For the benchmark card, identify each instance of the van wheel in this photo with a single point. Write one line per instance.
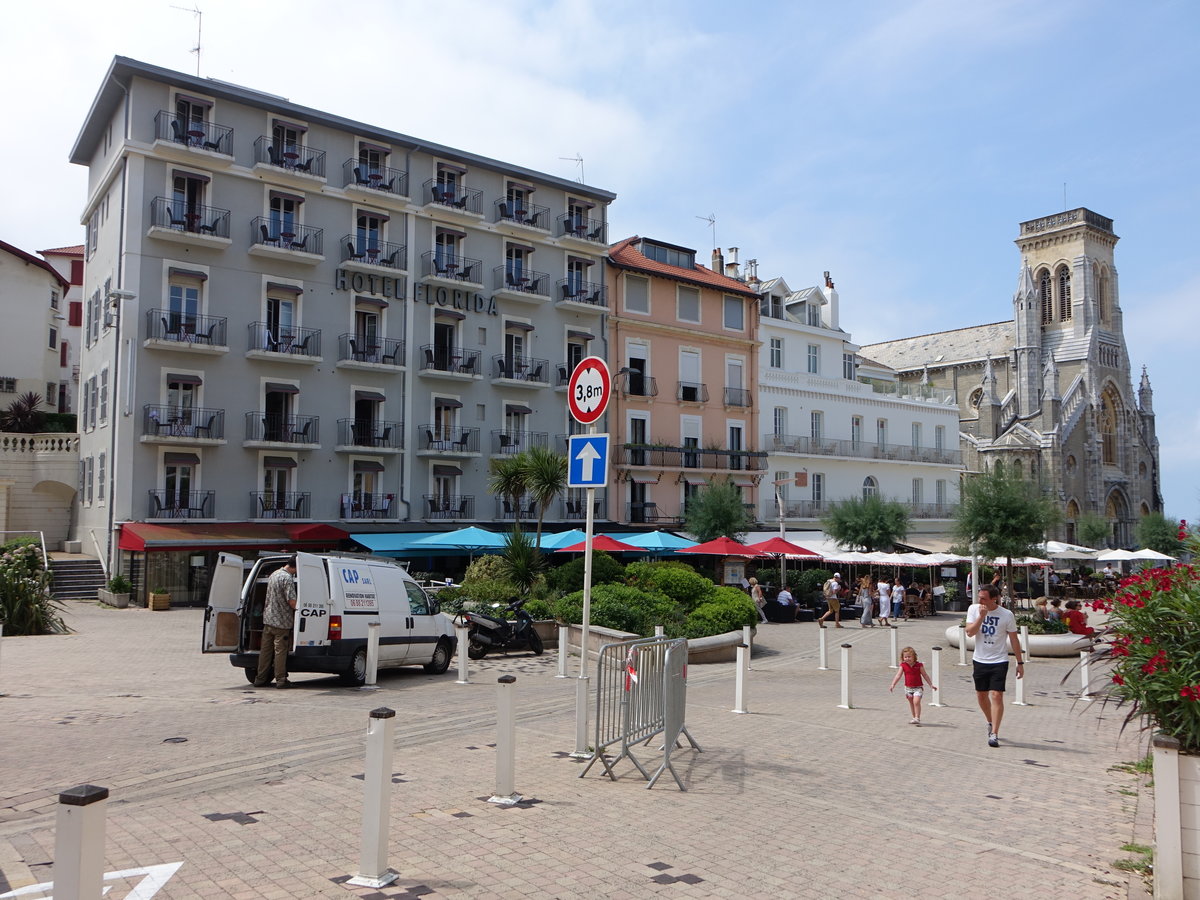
(251, 673)
(441, 658)
(356, 672)
(535, 642)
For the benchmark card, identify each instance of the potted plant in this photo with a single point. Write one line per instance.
(116, 592)
(1154, 652)
(160, 598)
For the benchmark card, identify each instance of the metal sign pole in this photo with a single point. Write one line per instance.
(581, 684)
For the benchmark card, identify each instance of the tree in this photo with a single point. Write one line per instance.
(24, 415)
(507, 481)
(523, 562)
(1092, 530)
(718, 510)
(866, 523)
(545, 478)
(1001, 515)
(1157, 532)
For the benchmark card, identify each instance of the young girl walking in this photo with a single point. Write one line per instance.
(914, 677)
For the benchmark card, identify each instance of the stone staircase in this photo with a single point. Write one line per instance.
(76, 578)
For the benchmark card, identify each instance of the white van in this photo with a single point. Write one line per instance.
(336, 597)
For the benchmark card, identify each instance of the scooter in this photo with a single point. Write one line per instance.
(486, 633)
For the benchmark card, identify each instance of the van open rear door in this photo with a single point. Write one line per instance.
(224, 601)
(313, 603)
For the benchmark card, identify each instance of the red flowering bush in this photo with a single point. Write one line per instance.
(1154, 621)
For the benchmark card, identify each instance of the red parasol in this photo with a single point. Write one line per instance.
(779, 545)
(723, 546)
(602, 542)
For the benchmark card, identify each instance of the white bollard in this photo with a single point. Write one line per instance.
(845, 704)
(1084, 677)
(739, 700)
(823, 652)
(962, 645)
(79, 843)
(748, 640)
(1024, 637)
(893, 643)
(373, 869)
(1, 642)
(1020, 701)
(935, 664)
(582, 686)
(506, 743)
(372, 657)
(460, 632)
(1169, 837)
(564, 634)
(658, 631)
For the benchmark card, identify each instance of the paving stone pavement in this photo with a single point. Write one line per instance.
(797, 799)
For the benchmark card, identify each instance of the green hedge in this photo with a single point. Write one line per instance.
(569, 576)
(677, 580)
(730, 609)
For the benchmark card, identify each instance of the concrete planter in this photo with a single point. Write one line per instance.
(119, 601)
(1176, 821)
(1039, 644)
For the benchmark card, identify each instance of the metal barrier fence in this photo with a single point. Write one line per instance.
(641, 692)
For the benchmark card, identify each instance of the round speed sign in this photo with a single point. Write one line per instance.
(589, 389)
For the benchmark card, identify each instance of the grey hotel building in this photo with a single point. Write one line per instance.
(298, 326)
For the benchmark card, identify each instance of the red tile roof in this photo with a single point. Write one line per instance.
(76, 250)
(626, 256)
(35, 261)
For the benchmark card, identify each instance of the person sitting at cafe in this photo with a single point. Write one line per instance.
(1040, 613)
(1076, 619)
(1054, 613)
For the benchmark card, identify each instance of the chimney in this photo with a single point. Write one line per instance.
(828, 281)
(733, 252)
(718, 261)
(731, 271)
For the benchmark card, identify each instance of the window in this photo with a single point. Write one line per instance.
(366, 326)
(1045, 298)
(281, 317)
(687, 304)
(54, 299)
(870, 487)
(8, 385)
(939, 437)
(64, 354)
(449, 179)
(286, 137)
(100, 476)
(817, 479)
(516, 260)
(672, 256)
(577, 275)
(187, 195)
(183, 303)
(735, 313)
(372, 159)
(53, 338)
(735, 444)
(856, 423)
(848, 367)
(446, 249)
(95, 317)
(771, 306)
(779, 420)
(87, 479)
(776, 357)
(104, 395)
(918, 490)
(1064, 294)
(816, 425)
(689, 376)
(813, 314)
(579, 212)
(576, 351)
(75, 313)
(814, 359)
(177, 482)
(276, 482)
(285, 214)
(781, 484)
(689, 428)
(916, 435)
(635, 380)
(881, 433)
(637, 294)
(95, 389)
(93, 229)
(190, 110)
(368, 232)
(85, 400)
(939, 491)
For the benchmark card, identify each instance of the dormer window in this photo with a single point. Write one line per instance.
(681, 257)
(813, 314)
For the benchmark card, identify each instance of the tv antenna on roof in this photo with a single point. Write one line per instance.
(195, 10)
(711, 219)
(578, 160)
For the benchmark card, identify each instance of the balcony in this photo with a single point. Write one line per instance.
(205, 137)
(279, 505)
(458, 271)
(374, 179)
(357, 351)
(373, 254)
(578, 228)
(649, 513)
(181, 504)
(520, 371)
(456, 363)
(637, 384)
(808, 446)
(359, 434)
(521, 284)
(523, 215)
(367, 506)
(526, 509)
(590, 296)
(737, 397)
(182, 425)
(454, 199)
(669, 457)
(167, 330)
(448, 439)
(293, 161)
(815, 509)
(274, 430)
(188, 223)
(456, 507)
(286, 240)
(298, 345)
(691, 392)
(509, 442)
(576, 510)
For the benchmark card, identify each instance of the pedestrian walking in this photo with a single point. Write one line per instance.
(897, 598)
(995, 630)
(759, 598)
(864, 597)
(915, 676)
(885, 599)
(278, 617)
(830, 590)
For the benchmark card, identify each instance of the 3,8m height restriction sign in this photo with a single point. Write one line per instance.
(589, 389)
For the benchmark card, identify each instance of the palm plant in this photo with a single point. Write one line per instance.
(24, 415)
(545, 479)
(508, 480)
(523, 562)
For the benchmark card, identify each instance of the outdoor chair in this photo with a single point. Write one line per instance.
(178, 131)
(267, 237)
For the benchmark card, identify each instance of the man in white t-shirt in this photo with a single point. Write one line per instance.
(995, 630)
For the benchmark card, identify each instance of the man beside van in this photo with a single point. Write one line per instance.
(278, 617)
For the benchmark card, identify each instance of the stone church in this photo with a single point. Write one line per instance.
(1050, 392)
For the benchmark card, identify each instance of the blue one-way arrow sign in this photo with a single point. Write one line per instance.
(587, 460)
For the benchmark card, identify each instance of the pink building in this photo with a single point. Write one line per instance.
(683, 345)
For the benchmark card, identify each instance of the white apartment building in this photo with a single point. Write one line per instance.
(836, 425)
(35, 345)
(299, 324)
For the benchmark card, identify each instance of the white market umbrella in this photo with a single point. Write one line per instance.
(1063, 550)
(1117, 556)
(1147, 553)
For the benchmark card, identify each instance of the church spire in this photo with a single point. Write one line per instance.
(1146, 394)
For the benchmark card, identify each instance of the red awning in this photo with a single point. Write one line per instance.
(245, 535)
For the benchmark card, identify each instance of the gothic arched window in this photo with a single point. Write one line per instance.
(1108, 428)
(1102, 298)
(1045, 297)
(1064, 294)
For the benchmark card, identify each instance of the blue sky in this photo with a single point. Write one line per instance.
(895, 144)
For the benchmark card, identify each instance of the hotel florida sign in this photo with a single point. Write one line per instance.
(433, 295)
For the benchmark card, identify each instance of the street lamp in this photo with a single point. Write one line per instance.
(116, 299)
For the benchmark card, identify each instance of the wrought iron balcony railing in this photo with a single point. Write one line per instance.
(371, 349)
(261, 426)
(165, 325)
(574, 290)
(691, 392)
(525, 281)
(189, 218)
(449, 439)
(369, 433)
(521, 368)
(454, 196)
(287, 340)
(297, 158)
(737, 397)
(504, 441)
(189, 422)
(279, 504)
(638, 384)
(809, 446)
(384, 179)
(528, 214)
(198, 135)
(582, 228)
(449, 506)
(435, 264)
(458, 360)
(368, 506)
(372, 251)
(181, 504)
(660, 456)
(287, 235)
